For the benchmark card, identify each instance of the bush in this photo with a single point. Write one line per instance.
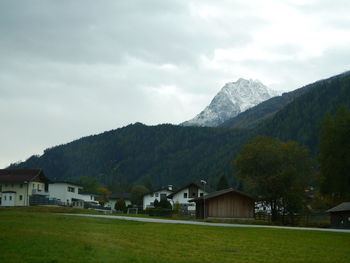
(161, 212)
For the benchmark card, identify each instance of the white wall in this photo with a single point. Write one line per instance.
(60, 191)
(111, 203)
(149, 198)
(179, 198)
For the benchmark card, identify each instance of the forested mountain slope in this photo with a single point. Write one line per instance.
(300, 120)
(167, 154)
(170, 154)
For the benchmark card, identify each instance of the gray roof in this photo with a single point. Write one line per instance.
(218, 193)
(120, 196)
(339, 208)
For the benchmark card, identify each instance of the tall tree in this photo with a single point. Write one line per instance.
(222, 183)
(277, 172)
(88, 183)
(334, 155)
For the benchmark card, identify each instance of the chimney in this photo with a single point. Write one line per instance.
(170, 187)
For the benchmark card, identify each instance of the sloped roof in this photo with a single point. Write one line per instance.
(187, 186)
(341, 207)
(20, 175)
(163, 188)
(120, 196)
(66, 182)
(218, 193)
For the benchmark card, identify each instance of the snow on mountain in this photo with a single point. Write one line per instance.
(232, 99)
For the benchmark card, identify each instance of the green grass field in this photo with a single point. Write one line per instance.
(27, 236)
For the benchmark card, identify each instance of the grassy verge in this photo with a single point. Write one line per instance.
(46, 237)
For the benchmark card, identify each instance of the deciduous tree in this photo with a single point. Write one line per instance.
(278, 172)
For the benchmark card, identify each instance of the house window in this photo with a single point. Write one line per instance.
(21, 185)
(157, 194)
(38, 186)
(10, 198)
(71, 189)
(152, 194)
(21, 197)
(5, 197)
(0, 187)
(185, 195)
(201, 194)
(33, 186)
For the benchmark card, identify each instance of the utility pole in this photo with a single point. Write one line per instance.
(204, 183)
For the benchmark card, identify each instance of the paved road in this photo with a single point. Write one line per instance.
(187, 222)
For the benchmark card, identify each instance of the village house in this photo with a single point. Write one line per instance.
(227, 203)
(340, 215)
(22, 187)
(148, 199)
(66, 192)
(183, 196)
(112, 200)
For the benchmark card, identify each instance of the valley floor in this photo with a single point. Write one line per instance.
(45, 237)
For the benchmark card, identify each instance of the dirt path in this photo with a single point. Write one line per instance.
(187, 222)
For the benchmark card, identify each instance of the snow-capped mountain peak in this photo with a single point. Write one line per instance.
(232, 99)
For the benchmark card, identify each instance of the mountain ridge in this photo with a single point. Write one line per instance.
(231, 100)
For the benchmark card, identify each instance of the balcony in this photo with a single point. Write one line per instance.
(39, 192)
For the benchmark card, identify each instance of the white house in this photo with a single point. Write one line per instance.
(186, 193)
(148, 199)
(88, 197)
(112, 199)
(22, 187)
(66, 192)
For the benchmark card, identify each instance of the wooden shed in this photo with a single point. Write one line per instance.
(340, 215)
(227, 203)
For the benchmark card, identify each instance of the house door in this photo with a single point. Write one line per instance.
(8, 199)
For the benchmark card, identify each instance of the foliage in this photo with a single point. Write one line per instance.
(120, 205)
(137, 193)
(104, 193)
(156, 203)
(301, 119)
(138, 154)
(164, 203)
(160, 212)
(277, 172)
(222, 183)
(334, 155)
(89, 184)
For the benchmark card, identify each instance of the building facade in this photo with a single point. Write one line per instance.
(20, 187)
(227, 203)
(182, 196)
(65, 192)
(148, 199)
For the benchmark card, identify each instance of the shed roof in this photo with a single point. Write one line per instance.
(341, 207)
(21, 175)
(218, 193)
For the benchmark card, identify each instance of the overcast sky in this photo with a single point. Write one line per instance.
(73, 68)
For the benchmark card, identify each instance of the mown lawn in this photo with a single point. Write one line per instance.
(27, 236)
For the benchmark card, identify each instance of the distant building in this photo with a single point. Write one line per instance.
(22, 187)
(186, 193)
(227, 203)
(148, 199)
(65, 192)
(112, 199)
(340, 215)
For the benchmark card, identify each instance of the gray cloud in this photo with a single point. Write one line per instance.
(73, 68)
